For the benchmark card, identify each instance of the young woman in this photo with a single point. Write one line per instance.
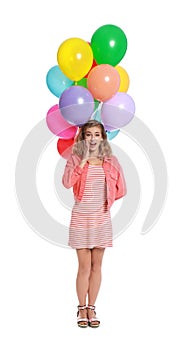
(97, 180)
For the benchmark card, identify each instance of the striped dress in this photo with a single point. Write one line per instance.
(90, 224)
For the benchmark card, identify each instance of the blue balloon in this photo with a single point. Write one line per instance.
(112, 134)
(56, 81)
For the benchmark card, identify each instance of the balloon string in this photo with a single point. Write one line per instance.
(97, 109)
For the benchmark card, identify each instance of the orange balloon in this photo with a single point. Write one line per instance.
(103, 82)
(124, 79)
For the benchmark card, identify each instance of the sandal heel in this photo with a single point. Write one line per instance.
(93, 322)
(82, 321)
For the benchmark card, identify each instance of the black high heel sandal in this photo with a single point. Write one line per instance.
(81, 321)
(93, 322)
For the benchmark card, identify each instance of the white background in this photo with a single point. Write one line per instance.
(141, 298)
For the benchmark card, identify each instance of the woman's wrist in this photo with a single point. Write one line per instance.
(82, 163)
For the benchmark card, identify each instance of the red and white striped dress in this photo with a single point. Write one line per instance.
(90, 224)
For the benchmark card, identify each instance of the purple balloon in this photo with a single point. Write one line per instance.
(76, 104)
(118, 111)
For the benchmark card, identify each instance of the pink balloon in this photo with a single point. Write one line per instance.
(58, 125)
(103, 82)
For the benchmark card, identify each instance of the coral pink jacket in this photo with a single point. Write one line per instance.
(75, 176)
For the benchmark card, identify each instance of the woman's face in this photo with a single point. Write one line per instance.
(93, 136)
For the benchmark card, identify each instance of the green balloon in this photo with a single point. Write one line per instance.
(109, 44)
(82, 82)
(96, 103)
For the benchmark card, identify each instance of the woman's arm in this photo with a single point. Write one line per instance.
(74, 167)
(121, 185)
(121, 188)
(73, 171)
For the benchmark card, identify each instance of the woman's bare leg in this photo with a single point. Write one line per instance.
(95, 275)
(82, 282)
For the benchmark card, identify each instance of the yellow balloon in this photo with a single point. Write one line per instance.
(124, 79)
(75, 58)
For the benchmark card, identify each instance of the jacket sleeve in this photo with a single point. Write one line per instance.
(72, 171)
(121, 188)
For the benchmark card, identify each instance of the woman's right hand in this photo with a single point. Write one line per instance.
(85, 150)
(85, 155)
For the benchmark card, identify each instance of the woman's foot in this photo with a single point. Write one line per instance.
(92, 319)
(82, 319)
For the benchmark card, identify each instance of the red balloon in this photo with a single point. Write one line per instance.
(64, 147)
(94, 64)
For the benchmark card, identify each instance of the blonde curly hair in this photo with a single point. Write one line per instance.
(104, 147)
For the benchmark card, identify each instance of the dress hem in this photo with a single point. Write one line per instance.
(91, 247)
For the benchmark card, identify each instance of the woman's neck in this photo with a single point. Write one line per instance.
(93, 154)
(94, 159)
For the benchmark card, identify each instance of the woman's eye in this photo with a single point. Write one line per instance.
(96, 135)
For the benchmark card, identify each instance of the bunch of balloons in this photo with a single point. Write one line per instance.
(90, 85)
